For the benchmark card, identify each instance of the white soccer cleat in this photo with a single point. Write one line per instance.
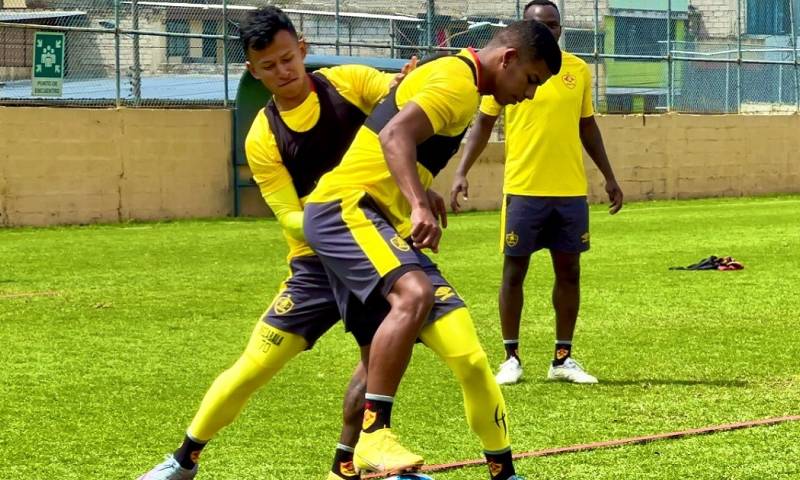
(510, 372)
(570, 371)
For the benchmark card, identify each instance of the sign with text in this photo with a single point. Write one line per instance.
(48, 64)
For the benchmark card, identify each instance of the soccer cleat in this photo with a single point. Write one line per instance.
(570, 371)
(510, 372)
(333, 476)
(346, 472)
(169, 469)
(380, 452)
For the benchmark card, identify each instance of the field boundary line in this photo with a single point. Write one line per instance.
(548, 452)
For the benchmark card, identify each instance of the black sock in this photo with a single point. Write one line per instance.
(343, 463)
(501, 467)
(188, 454)
(512, 349)
(377, 412)
(562, 353)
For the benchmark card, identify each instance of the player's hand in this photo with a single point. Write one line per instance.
(438, 208)
(425, 231)
(614, 196)
(407, 68)
(460, 185)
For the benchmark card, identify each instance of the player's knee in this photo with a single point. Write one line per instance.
(568, 275)
(513, 275)
(472, 367)
(413, 296)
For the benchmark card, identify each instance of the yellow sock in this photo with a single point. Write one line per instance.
(267, 352)
(454, 339)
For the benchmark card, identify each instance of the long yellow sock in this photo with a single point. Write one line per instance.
(454, 339)
(268, 350)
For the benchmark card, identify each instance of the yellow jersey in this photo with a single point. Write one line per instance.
(446, 90)
(544, 154)
(359, 85)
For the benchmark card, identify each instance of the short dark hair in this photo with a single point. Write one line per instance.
(533, 40)
(544, 3)
(261, 25)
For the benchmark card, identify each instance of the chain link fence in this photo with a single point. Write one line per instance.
(698, 56)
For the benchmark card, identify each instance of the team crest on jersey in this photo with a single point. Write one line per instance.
(369, 419)
(495, 468)
(585, 237)
(569, 80)
(444, 293)
(561, 353)
(400, 244)
(347, 469)
(512, 239)
(284, 304)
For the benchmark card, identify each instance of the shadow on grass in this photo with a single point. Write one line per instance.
(646, 382)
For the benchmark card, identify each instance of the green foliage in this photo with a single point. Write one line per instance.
(111, 334)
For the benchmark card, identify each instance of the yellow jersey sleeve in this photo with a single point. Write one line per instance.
(264, 158)
(287, 208)
(448, 98)
(587, 110)
(361, 85)
(489, 106)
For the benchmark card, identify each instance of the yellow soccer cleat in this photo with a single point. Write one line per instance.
(380, 452)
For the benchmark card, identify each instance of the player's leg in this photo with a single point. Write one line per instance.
(352, 413)
(522, 221)
(364, 252)
(453, 338)
(303, 311)
(569, 241)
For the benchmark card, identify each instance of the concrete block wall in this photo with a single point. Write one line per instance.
(75, 166)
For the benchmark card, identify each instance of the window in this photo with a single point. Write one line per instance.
(210, 27)
(178, 46)
(768, 17)
(641, 36)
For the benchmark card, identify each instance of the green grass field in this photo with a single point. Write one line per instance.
(110, 335)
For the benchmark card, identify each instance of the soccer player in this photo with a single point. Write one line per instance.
(302, 133)
(369, 218)
(545, 196)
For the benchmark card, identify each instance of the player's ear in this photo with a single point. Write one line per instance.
(301, 43)
(251, 69)
(510, 55)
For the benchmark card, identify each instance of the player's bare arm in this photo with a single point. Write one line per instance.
(399, 140)
(477, 140)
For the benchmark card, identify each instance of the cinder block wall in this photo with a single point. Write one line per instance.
(64, 166)
(67, 166)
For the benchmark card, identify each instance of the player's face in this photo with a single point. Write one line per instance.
(548, 15)
(280, 65)
(518, 80)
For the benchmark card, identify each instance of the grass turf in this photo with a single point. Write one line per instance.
(111, 334)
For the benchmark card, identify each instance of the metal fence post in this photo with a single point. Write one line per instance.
(117, 67)
(519, 10)
(429, 25)
(391, 38)
(225, 51)
(136, 80)
(739, 56)
(596, 55)
(793, 20)
(670, 82)
(338, 26)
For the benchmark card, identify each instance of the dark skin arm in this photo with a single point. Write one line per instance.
(592, 141)
(399, 140)
(478, 138)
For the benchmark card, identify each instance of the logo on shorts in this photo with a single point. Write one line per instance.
(284, 304)
(400, 244)
(347, 469)
(585, 237)
(444, 293)
(369, 419)
(512, 239)
(562, 353)
(569, 80)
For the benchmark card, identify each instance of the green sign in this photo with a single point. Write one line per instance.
(48, 64)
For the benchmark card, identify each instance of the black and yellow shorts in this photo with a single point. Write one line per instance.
(555, 223)
(364, 256)
(306, 305)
